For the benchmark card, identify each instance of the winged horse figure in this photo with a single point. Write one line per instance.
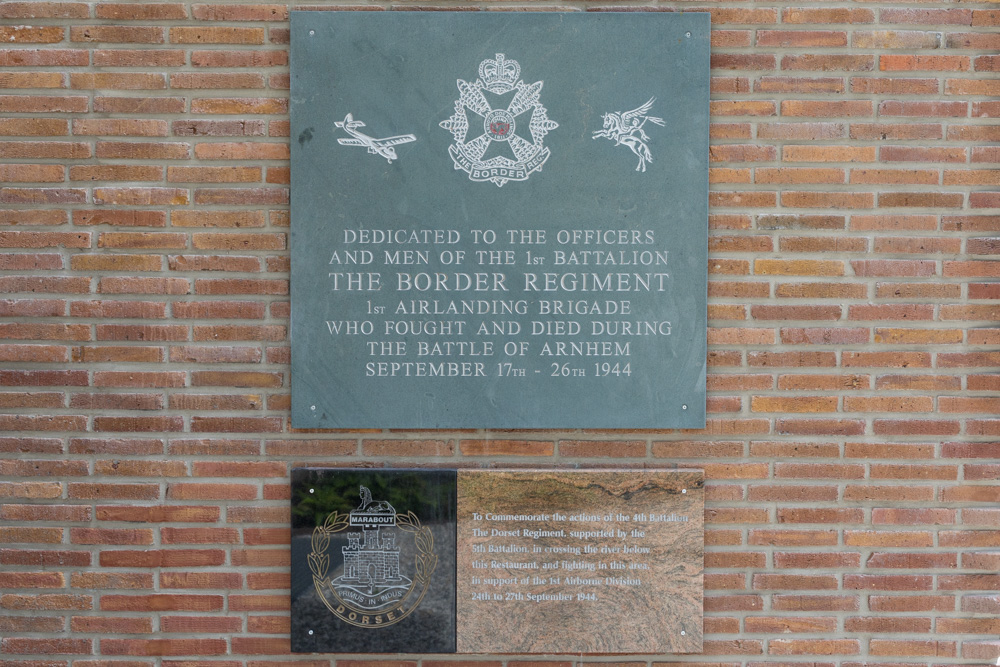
(626, 128)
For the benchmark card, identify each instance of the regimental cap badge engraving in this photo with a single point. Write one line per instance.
(376, 585)
(499, 124)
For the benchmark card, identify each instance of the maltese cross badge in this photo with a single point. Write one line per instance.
(494, 116)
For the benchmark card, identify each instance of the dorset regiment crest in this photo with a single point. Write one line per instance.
(499, 112)
(377, 585)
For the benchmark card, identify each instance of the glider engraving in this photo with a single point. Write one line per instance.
(383, 147)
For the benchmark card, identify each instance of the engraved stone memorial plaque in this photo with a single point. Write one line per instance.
(496, 561)
(499, 220)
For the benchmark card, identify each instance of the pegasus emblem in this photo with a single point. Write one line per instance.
(626, 129)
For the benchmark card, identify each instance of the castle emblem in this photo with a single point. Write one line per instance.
(625, 129)
(371, 557)
(494, 116)
(372, 589)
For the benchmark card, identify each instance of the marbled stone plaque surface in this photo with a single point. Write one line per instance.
(580, 561)
(499, 219)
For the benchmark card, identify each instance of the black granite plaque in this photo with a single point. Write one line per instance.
(499, 219)
(373, 561)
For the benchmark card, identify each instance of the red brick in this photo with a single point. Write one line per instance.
(43, 58)
(224, 580)
(819, 108)
(24, 645)
(501, 447)
(829, 62)
(794, 582)
(798, 175)
(743, 61)
(261, 645)
(216, 35)
(170, 535)
(21, 556)
(138, 424)
(408, 448)
(111, 536)
(911, 647)
(117, 81)
(183, 218)
(236, 58)
(141, 11)
(801, 130)
(239, 105)
(153, 647)
(810, 199)
(124, 309)
(237, 242)
(218, 128)
(241, 196)
(220, 263)
(117, 34)
(933, 109)
(911, 561)
(211, 491)
(923, 63)
(138, 58)
(97, 625)
(814, 646)
(163, 558)
(200, 624)
(117, 580)
(888, 582)
(141, 196)
(31, 195)
(215, 447)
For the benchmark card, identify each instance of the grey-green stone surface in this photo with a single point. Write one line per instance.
(473, 250)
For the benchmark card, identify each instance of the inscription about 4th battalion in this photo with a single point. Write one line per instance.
(546, 560)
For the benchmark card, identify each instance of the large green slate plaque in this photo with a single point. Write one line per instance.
(499, 220)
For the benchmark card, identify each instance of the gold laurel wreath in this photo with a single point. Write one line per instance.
(426, 560)
(319, 561)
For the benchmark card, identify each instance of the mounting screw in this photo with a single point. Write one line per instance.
(312, 407)
(682, 490)
(682, 632)
(312, 491)
(310, 632)
(313, 32)
(684, 407)
(687, 34)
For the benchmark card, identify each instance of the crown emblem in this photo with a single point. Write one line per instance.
(499, 75)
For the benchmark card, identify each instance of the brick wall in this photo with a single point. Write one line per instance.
(851, 449)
